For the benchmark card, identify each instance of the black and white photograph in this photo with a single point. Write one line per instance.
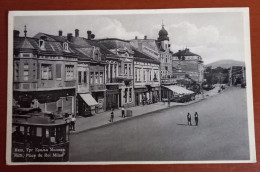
(168, 86)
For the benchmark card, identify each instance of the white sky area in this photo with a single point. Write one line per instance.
(214, 36)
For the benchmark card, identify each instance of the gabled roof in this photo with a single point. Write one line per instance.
(185, 52)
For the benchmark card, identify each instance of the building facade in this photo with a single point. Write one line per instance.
(146, 78)
(190, 63)
(119, 72)
(44, 74)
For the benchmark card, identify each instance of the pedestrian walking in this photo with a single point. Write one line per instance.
(73, 122)
(196, 117)
(189, 119)
(112, 116)
(123, 112)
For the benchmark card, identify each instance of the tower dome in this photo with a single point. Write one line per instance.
(163, 34)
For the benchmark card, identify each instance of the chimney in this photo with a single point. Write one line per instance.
(76, 33)
(89, 34)
(136, 37)
(92, 36)
(60, 32)
(69, 37)
(16, 33)
(145, 37)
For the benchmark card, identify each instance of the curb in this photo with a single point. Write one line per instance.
(133, 117)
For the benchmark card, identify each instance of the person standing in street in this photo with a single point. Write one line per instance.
(189, 118)
(73, 121)
(196, 117)
(112, 116)
(123, 112)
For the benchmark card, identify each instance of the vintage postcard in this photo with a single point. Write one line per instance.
(169, 86)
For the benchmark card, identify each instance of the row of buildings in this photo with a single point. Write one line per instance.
(74, 74)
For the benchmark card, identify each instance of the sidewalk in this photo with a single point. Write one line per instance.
(102, 119)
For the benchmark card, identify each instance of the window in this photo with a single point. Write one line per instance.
(91, 77)
(41, 44)
(150, 75)
(96, 77)
(65, 46)
(69, 72)
(139, 74)
(101, 78)
(58, 71)
(166, 59)
(114, 70)
(25, 75)
(130, 94)
(125, 69)
(144, 73)
(46, 71)
(85, 77)
(136, 74)
(130, 69)
(79, 77)
(125, 95)
(166, 68)
(26, 72)
(119, 67)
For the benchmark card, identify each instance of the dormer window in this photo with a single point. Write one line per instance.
(41, 44)
(65, 46)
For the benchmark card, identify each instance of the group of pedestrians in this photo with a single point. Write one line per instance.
(196, 118)
(72, 121)
(123, 114)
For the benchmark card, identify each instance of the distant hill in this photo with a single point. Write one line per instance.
(226, 63)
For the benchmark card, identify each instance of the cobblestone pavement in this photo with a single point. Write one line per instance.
(102, 119)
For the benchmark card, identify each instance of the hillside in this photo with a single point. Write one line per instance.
(226, 63)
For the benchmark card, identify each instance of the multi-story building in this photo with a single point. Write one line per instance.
(94, 62)
(146, 78)
(189, 63)
(44, 74)
(165, 56)
(119, 72)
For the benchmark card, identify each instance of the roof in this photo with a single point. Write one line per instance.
(163, 34)
(185, 52)
(51, 47)
(140, 56)
(150, 43)
(113, 43)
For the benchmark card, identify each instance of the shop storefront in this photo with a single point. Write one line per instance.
(86, 104)
(112, 97)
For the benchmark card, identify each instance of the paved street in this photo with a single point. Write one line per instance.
(164, 136)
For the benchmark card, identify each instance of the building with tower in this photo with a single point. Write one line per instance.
(163, 43)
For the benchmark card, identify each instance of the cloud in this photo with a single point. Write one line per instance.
(112, 28)
(207, 41)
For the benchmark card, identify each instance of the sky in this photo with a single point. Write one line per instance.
(214, 36)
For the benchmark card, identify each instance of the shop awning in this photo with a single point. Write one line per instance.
(89, 99)
(179, 90)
